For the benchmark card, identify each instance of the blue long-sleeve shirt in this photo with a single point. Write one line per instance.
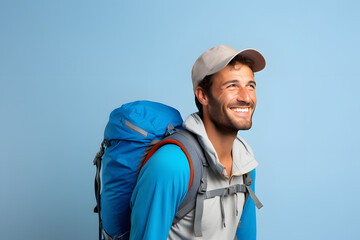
(162, 185)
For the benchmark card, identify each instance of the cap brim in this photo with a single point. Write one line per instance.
(252, 54)
(256, 57)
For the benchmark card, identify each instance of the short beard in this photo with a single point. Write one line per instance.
(225, 124)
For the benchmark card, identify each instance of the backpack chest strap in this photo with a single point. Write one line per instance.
(222, 192)
(226, 191)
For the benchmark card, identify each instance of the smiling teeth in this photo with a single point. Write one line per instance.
(241, 109)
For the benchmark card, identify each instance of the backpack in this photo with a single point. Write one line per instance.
(133, 134)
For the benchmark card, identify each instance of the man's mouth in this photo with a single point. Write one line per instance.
(240, 109)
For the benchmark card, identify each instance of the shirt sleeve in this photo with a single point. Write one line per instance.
(162, 184)
(247, 229)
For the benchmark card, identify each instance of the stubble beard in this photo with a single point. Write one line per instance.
(224, 122)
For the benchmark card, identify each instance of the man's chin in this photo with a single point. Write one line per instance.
(244, 126)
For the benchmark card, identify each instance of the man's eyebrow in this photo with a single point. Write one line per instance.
(231, 81)
(252, 81)
(237, 81)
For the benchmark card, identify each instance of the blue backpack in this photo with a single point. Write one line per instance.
(132, 135)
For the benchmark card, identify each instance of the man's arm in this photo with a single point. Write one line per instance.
(247, 229)
(162, 185)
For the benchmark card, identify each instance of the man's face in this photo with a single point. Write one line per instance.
(232, 100)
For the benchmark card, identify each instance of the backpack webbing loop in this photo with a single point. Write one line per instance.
(169, 130)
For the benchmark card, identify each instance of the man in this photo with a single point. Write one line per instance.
(224, 87)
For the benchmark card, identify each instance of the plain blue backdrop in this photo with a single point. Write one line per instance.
(64, 65)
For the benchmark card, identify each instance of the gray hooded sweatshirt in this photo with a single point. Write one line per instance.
(214, 225)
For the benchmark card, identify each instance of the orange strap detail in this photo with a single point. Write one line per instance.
(171, 141)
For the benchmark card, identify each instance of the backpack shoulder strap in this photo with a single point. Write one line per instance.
(197, 159)
(198, 173)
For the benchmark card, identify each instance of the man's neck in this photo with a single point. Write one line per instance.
(222, 142)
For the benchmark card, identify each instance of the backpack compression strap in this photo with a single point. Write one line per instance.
(248, 182)
(97, 162)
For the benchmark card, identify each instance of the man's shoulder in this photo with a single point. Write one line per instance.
(168, 160)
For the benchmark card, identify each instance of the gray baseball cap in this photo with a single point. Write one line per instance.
(216, 58)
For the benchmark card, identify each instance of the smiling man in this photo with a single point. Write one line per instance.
(224, 87)
(226, 98)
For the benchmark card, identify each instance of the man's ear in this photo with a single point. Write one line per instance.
(201, 95)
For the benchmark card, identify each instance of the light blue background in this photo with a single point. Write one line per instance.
(64, 65)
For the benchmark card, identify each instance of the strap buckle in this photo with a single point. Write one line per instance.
(203, 186)
(231, 190)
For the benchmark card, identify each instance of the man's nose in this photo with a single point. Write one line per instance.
(243, 95)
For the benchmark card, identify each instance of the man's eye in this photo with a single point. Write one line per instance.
(252, 86)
